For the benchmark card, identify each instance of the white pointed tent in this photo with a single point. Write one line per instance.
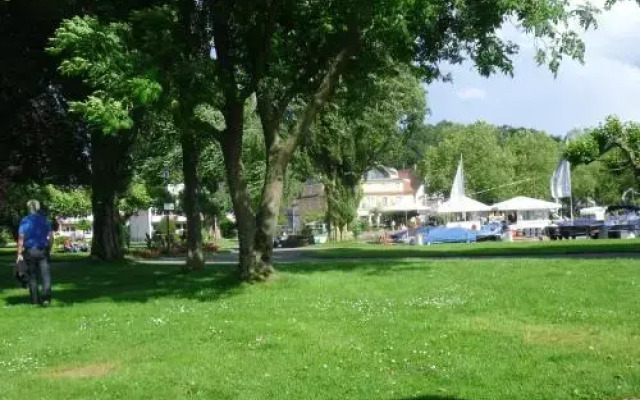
(457, 189)
(458, 201)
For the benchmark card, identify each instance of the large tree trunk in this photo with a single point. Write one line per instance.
(267, 218)
(245, 217)
(110, 175)
(279, 153)
(190, 157)
(256, 234)
(107, 242)
(329, 218)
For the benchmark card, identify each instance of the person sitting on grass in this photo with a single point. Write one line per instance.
(69, 247)
(34, 240)
(82, 246)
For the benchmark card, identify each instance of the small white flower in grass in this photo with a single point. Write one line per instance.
(158, 321)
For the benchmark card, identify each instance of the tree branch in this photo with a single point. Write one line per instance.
(205, 127)
(319, 99)
(222, 44)
(262, 35)
(271, 116)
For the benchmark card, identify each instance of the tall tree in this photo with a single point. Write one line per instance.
(615, 138)
(488, 167)
(292, 55)
(39, 141)
(366, 124)
(113, 70)
(607, 158)
(534, 155)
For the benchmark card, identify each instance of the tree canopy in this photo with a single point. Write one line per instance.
(293, 58)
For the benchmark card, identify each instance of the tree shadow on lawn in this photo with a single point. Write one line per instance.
(364, 266)
(77, 282)
(85, 280)
(431, 397)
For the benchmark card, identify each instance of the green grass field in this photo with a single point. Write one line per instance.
(481, 329)
(524, 249)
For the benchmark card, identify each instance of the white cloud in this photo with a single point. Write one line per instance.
(581, 95)
(471, 93)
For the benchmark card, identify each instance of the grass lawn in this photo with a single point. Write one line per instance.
(485, 329)
(534, 248)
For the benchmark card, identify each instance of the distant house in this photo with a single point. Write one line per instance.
(389, 197)
(310, 203)
(393, 197)
(145, 222)
(75, 227)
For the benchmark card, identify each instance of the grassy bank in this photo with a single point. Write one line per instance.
(535, 248)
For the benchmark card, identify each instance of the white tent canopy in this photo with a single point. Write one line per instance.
(404, 207)
(522, 203)
(462, 204)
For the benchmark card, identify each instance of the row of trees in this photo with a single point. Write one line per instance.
(502, 162)
(201, 76)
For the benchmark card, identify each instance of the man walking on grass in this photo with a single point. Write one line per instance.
(34, 241)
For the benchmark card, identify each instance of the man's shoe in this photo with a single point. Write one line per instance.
(46, 303)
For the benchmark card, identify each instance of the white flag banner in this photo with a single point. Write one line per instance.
(457, 189)
(561, 180)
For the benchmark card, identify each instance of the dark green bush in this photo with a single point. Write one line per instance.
(5, 236)
(228, 229)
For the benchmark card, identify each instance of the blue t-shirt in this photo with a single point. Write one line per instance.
(36, 229)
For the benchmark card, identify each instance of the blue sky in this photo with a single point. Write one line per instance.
(580, 96)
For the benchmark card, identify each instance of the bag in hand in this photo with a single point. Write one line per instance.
(20, 273)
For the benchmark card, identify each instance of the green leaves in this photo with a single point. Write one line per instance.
(583, 150)
(142, 91)
(498, 162)
(101, 55)
(109, 114)
(613, 135)
(136, 198)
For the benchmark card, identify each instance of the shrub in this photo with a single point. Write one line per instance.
(228, 229)
(58, 241)
(161, 226)
(358, 227)
(5, 236)
(84, 225)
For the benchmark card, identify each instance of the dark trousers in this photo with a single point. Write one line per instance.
(38, 265)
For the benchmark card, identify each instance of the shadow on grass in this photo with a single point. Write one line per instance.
(366, 267)
(430, 397)
(77, 282)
